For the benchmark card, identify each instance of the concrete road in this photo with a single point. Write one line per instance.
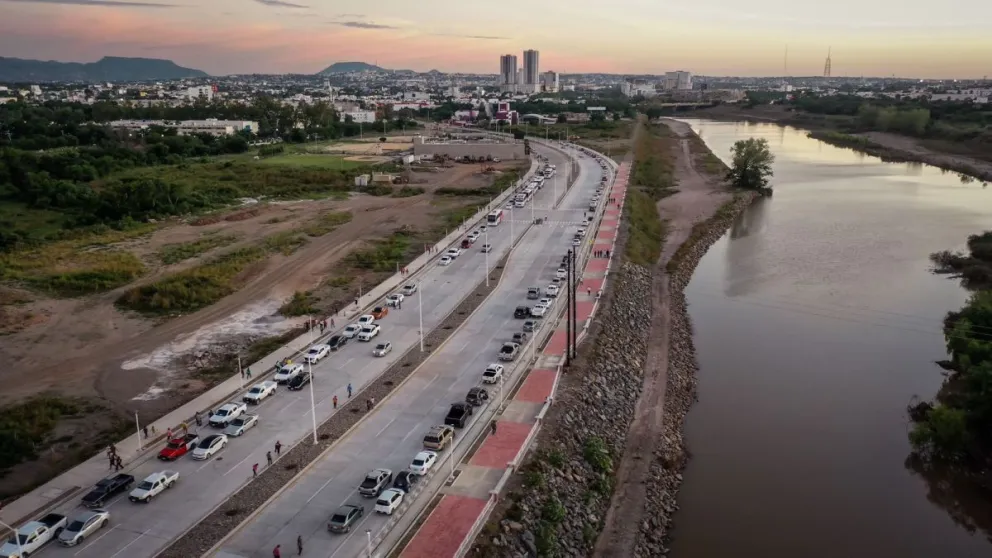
(141, 531)
(393, 434)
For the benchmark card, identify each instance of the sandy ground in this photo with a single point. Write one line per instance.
(698, 198)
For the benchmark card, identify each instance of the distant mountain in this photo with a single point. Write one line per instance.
(108, 68)
(346, 67)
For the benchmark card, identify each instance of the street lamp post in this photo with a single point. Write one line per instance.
(313, 405)
(489, 247)
(420, 310)
(368, 535)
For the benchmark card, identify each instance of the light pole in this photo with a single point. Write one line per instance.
(137, 425)
(368, 535)
(240, 373)
(17, 539)
(313, 405)
(511, 227)
(420, 310)
(500, 393)
(488, 248)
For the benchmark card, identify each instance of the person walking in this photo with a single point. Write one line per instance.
(254, 470)
(120, 462)
(349, 390)
(492, 427)
(145, 430)
(248, 372)
(110, 458)
(242, 373)
(268, 457)
(278, 447)
(199, 420)
(335, 401)
(168, 433)
(276, 553)
(299, 544)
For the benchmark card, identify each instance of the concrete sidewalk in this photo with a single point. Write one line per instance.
(139, 448)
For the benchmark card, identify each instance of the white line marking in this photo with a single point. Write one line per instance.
(320, 489)
(385, 427)
(129, 544)
(92, 542)
(231, 470)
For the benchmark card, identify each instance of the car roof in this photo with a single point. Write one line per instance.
(423, 454)
(212, 437)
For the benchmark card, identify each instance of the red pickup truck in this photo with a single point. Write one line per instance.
(178, 447)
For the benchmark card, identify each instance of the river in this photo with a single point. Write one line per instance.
(816, 321)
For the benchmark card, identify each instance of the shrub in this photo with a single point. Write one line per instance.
(597, 455)
(327, 223)
(175, 253)
(300, 304)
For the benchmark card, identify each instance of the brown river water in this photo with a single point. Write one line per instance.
(816, 322)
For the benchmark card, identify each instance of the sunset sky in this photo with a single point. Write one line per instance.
(909, 38)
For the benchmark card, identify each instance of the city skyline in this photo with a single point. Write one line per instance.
(712, 37)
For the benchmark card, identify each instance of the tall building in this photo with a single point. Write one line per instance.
(549, 82)
(680, 80)
(531, 69)
(508, 69)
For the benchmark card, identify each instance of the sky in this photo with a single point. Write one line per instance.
(905, 38)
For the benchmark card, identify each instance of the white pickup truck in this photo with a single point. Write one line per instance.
(153, 485)
(32, 536)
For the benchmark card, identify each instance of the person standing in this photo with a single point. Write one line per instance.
(349, 390)
(492, 427)
(335, 402)
(276, 553)
(254, 473)
(299, 544)
(278, 447)
(268, 457)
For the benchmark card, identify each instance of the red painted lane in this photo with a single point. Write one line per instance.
(496, 451)
(556, 345)
(611, 223)
(446, 528)
(605, 236)
(584, 309)
(588, 284)
(597, 265)
(537, 387)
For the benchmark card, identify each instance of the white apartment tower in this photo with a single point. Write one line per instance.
(680, 80)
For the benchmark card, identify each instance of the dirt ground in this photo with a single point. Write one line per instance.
(698, 198)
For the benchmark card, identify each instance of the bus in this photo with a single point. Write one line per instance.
(495, 218)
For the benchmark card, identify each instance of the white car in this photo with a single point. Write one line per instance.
(482, 229)
(474, 235)
(259, 392)
(509, 205)
(287, 373)
(366, 319)
(82, 526)
(487, 247)
(545, 302)
(223, 416)
(551, 290)
(580, 232)
(239, 425)
(394, 299)
(576, 242)
(382, 349)
(153, 485)
(422, 462)
(209, 446)
(561, 273)
(316, 353)
(368, 332)
(538, 311)
(409, 289)
(492, 374)
(453, 252)
(351, 331)
(520, 203)
(445, 260)
(389, 500)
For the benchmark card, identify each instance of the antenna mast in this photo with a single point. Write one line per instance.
(826, 65)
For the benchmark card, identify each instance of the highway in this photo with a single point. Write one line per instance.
(142, 530)
(393, 433)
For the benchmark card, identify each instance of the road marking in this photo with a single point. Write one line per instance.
(92, 542)
(231, 470)
(385, 427)
(321, 488)
(129, 544)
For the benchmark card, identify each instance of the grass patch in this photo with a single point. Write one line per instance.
(327, 223)
(384, 255)
(284, 243)
(453, 217)
(408, 192)
(175, 253)
(322, 161)
(652, 179)
(300, 304)
(27, 427)
(845, 140)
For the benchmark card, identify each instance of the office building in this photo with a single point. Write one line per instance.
(531, 69)
(508, 69)
(678, 81)
(549, 82)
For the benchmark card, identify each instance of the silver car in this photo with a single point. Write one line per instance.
(82, 526)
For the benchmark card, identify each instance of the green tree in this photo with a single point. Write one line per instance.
(562, 119)
(943, 433)
(752, 164)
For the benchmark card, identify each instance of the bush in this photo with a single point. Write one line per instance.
(384, 255)
(327, 223)
(301, 304)
(26, 427)
(175, 253)
(597, 455)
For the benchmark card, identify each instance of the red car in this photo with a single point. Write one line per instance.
(178, 447)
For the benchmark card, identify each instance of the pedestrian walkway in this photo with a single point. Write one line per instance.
(464, 507)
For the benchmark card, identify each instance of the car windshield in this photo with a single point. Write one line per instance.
(222, 412)
(75, 526)
(380, 346)
(418, 462)
(207, 443)
(507, 349)
(339, 518)
(145, 485)
(174, 445)
(256, 390)
(314, 351)
(237, 422)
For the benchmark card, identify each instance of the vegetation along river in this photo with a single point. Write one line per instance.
(816, 321)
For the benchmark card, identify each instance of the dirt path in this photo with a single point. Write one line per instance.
(698, 199)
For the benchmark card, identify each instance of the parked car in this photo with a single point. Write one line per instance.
(240, 425)
(439, 437)
(107, 489)
(551, 290)
(300, 381)
(379, 312)
(337, 341)
(561, 273)
(487, 247)
(477, 396)
(382, 349)
(366, 320)
(343, 519)
(530, 325)
(521, 312)
(458, 415)
(422, 462)
(178, 447)
(351, 331)
(389, 500)
(538, 311)
(316, 353)
(576, 242)
(508, 351)
(209, 446)
(82, 526)
(368, 332)
(287, 373)
(259, 392)
(223, 416)
(534, 293)
(375, 481)
(445, 260)
(520, 338)
(405, 481)
(492, 374)
(394, 299)
(33, 535)
(153, 485)
(409, 289)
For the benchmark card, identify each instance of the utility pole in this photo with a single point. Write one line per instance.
(574, 285)
(568, 310)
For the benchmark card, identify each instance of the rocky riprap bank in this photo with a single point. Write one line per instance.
(680, 390)
(559, 498)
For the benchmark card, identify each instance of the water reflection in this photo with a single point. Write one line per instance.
(964, 498)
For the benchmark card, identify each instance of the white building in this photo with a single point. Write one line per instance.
(360, 116)
(630, 89)
(416, 96)
(36, 90)
(549, 82)
(210, 126)
(978, 96)
(679, 80)
(200, 92)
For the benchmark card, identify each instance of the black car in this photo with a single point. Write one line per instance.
(106, 489)
(530, 325)
(337, 341)
(477, 396)
(521, 312)
(300, 381)
(520, 338)
(458, 415)
(405, 481)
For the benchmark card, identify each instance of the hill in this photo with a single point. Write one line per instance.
(108, 68)
(346, 67)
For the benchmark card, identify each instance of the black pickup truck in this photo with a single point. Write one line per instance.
(106, 489)
(458, 415)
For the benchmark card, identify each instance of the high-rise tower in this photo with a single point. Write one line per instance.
(508, 69)
(532, 75)
(826, 65)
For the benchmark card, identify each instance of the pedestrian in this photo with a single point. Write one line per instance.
(268, 457)
(335, 401)
(607, 253)
(248, 372)
(276, 553)
(199, 420)
(299, 544)
(589, 292)
(254, 470)
(368, 404)
(332, 322)
(110, 458)
(372, 401)
(356, 302)
(399, 304)
(120, 462)
(153, 430)
(278, 447)
(145, 430)
(349, 390)
(168, 433)
(242, 373)
(492, 427)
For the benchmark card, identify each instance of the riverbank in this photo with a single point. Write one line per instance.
(889, 147)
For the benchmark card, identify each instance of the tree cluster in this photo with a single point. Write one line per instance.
(752, 165)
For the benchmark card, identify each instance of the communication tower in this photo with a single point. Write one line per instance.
(826, 65)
